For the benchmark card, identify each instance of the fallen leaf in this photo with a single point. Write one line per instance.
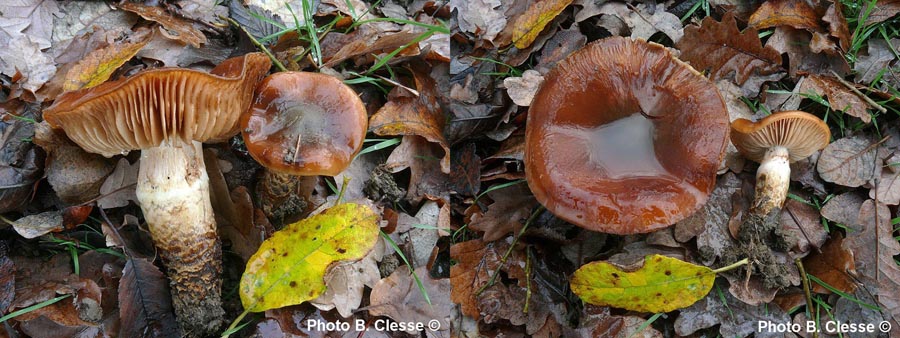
(290, 266)
(119, 187)
(663, 284)
(844, 208)
(887, 189)
(484, 18)
(346, 282)
(737, 109)
(22, 59)
(596, 321)
(80, 19)
(710, 223)
(477, 261)
(20, 162)
(414, 115)
(511, 207)
(556, 49)
(422, 158)
(796, 14)
(172, 27)
(522, 89)
(726, 52)
(839, 96)
(736, 319)
(532, 22)
(376, 42)
(37, 225)
(644, 20)
(145, 305)
(877, 58)
(100, 64)
(833, 265)
(801, 57)
(33, 18)
(422, 234)
(800, 225)
(883, 10)
(849, 161)
(74, 174)
(837, 24)
(399, 298)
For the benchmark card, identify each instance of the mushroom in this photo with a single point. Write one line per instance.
(774, 142)
(303, 124)
(167, 113)
(624, 138)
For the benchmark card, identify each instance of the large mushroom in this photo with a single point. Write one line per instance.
(775, 142)
(302, 125)
(167, 113)
(624, 138)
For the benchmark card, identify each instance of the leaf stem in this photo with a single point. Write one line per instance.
(732, 266)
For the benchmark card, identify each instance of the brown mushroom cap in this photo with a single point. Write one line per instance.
(800, 132)
(143, 110)
(624, 138)
(304, 124)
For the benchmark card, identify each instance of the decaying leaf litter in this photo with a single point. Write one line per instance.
(447, 87)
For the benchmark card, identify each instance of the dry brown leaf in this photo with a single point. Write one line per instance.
(796, 14)
(644, 20)
(144, 301)
(839, 96)
(726, 52)
(172, 27)
(879, 56)
(737, 109)
(843, 208)
(884, 9)
(346, 282)
(119, 187)
(800, 224)
(887, 190)
(7, 279)
(476, 263)
(559, 46)
(399, 298)
(837, 24)
(849, 161)
(736, 319)
(37, 225)
(20, 162)
(511, 207)
(521, 89)
(712, 218)
(802, 57)
(22, 59)
(528, 25)
(422, 158)
(33, 18)
(484, 18)
(361, 44)
(833, 265)
(421, 115)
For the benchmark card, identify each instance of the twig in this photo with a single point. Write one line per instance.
(509, 250)
(809, 303)
(857, 92)
(256, 43)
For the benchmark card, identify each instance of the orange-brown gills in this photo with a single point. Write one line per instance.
(304, 124)
(624, 138)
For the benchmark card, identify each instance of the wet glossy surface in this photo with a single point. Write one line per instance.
(623, 138)
(304, 124)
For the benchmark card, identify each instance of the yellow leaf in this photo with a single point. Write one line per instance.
(289, 267)
(99, 65)
(663, 284)
(533, 21)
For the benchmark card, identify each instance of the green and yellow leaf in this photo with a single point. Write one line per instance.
(535, 18)
(663, 284)
(289, 267)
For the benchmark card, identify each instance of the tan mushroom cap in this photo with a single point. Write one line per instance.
(305, 124)
(624, 138)
(801, 133)
(143, 110)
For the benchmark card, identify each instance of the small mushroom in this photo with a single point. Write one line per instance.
(303, 124)
(167, 113)
(774, 142)
(624, 138)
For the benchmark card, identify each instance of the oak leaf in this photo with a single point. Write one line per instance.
(527, 26)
